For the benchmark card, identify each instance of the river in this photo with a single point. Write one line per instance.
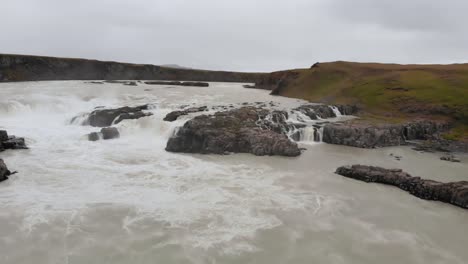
(129, 201)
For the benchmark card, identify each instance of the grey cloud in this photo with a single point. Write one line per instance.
(245, 35)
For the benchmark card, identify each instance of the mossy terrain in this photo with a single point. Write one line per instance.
(389, 92)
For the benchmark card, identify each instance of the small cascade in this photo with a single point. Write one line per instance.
(336, 110)
(311, 134)
(81, 119)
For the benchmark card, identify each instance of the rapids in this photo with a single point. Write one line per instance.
(129, 201)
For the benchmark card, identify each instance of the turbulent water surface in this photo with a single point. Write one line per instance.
(129, 201)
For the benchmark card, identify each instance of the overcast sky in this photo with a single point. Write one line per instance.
(242, 35)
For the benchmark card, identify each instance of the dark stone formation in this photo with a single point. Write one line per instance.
(105, 133)
(348, 109)
(316, 111)
(249, 86)
(244, 130)
(11, 142)
(172, 116)
(108, 117)
(110, 133)
(95, 82)
(197, 84)
(450, 158)
(455, 193)
(372, 136)
(315, 65)
(94, 136)
(276, 81)
(4, 172)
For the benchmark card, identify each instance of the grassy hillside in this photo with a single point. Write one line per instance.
(388, 92)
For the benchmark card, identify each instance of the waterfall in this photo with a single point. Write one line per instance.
(311, 134)
(336, 110)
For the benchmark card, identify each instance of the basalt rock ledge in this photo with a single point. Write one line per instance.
(455, 193)
(244, 130)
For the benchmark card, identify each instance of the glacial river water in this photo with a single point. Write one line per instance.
(129, 201)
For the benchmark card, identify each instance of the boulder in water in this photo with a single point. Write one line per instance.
(172, 116)
(11, 142)
(105, 133)
(455, 193)
(244, 130)
(110, 133)
(108, 117)
(4, 172)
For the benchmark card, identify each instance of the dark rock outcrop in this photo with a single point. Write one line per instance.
(243, 130)
(450, 158)
(372, 136)
(316, 111)
(94, 136)
(455, 193)
(108, 117)
(110, 133)
(172, 116)
(197, 84)
(11, 142)
(39, 68)
(348, 109)
(4, 172)
(276, 81)
(105, 133)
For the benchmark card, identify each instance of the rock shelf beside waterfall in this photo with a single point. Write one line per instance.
(108, 117)
(244, 130)
(455, 193)
(364, 135)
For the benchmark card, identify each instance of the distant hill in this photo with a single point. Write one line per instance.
(388, 92)
(175, 66)
(35, 68)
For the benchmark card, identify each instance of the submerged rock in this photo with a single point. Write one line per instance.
(108, 117)
(110, 133)
(244, 130)
(450, 158)
(4, 172)
(455, 193)
(372, 136)
(172, 116)
(177, 83)
(105, 133)
(11, 142)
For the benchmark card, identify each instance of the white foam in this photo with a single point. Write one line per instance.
(65, 176)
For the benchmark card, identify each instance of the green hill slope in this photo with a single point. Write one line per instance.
(388, 92)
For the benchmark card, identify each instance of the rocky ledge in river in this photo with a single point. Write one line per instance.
(105, 133)
(4, 172)
(371, 136)
(11, 142)
(108, 117)
(8, 142)
(245, 130)
(172, 116)
(197, 84)
(455, 193)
